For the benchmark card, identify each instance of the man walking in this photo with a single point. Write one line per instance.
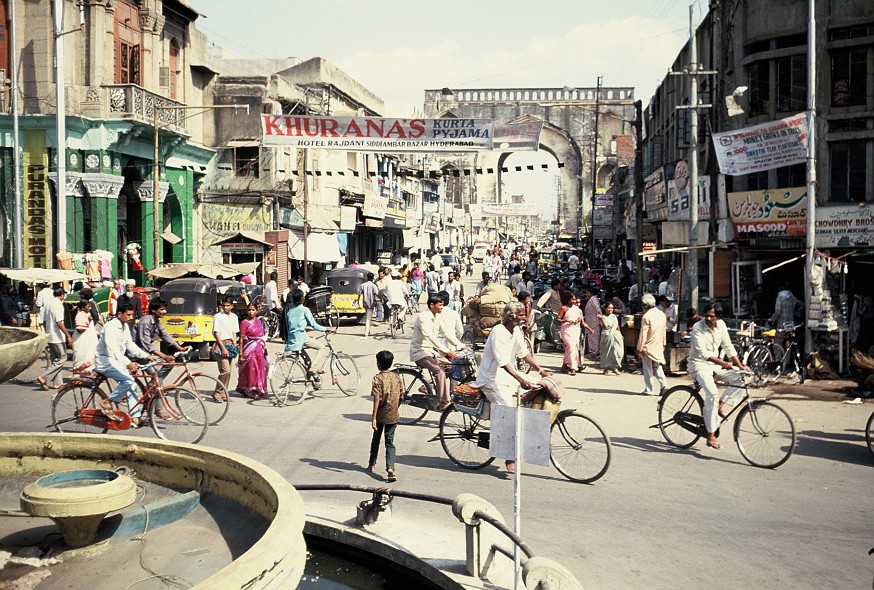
(59, 339)
(651, 345)
(368, 297)
(226, 330)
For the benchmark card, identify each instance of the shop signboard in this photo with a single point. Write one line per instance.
(432, 223)
(412, 216)
(375, 206)
(383, 257)
(845, 226)
(348, 218)
(654, 199)
(779, 212)
(677, 185)
(221, 220)
(38, 210)
(383, 134)
(762, 147)
(508, 209)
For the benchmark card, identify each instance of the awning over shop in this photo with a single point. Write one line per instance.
(254, 237)
(206, 270)
(320, 247)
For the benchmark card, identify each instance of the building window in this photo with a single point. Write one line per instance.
(127, 39)
(849, 77)
(791, 84)
(174, 68)
(757, 181)
(246, 162)
(847, 171)
(789, 176)
(760, 88)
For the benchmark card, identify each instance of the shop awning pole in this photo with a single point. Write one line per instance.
(778, 265)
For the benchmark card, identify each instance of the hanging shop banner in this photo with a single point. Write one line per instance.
(348, 218)
(519, 137)
(37, 201)
(773, 213)
(655, 201)
(845, 226)
(677, 184)
(508, 209)
(762, 147)
(377, 133)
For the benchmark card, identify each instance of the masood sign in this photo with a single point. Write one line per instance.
(377, 133)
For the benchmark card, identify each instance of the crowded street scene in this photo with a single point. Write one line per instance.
(526, 335)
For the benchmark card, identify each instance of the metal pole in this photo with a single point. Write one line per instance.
(594, 171)
(16, 142)
(61, 123)
(692, 261)
(306, 233)
(811, 167)
(156, 234)
(638, 191)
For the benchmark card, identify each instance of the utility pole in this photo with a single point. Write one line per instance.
(810, 245)
(693, 71)
(638, 190)
(594, 170)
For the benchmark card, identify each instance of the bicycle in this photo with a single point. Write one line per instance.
(174, 413)
(763, 431)
(204, 385)
(270, 319)
(396, 319)
(869, 432)
(419, 393)
(578, 447)
(769, 361)
(289, 381)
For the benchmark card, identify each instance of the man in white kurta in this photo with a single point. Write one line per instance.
(710, 340)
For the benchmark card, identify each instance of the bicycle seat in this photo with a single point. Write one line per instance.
(770, 333)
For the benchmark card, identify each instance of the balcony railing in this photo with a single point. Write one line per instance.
(129, 101)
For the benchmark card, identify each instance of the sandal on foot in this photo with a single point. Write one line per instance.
(220, 397)
(43, 383)
(105, 408)
(442, 406)
(390, 475)
(714, 444)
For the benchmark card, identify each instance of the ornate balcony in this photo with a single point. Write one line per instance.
(129, 101)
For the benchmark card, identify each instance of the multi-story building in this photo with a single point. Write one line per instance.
(759, 57)
(126, 65)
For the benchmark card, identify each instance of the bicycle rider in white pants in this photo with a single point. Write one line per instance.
(709, 339)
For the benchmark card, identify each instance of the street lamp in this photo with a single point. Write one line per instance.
(156, 168)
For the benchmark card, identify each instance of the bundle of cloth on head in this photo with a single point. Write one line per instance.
(484, 312)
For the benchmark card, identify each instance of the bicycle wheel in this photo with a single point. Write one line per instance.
(765, 368)
(465, 438)
(414, 385)
(288, 381)
(333, 316)
(765, 434)
(178, 415)
(39, 366)
(270, 321)
(798, 366)
(206, 386)
(67, 403)
(579, 448)
(393, 321)
(345, 371)
(468, 338)
(681, 416)
(869, 432)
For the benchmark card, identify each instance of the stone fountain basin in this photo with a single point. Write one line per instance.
(19, 347)
(275, 560)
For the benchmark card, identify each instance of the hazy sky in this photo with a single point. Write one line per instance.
(398, 48)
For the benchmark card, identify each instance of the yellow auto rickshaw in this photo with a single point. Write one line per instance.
(344, 283)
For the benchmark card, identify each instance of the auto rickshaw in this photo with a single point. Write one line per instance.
(101, 298)
(191, 304)
(545, 259)
(344, 283)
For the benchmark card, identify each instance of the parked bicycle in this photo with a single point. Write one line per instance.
(578, 447)
(420, 390)
(769, 360)
(204, 385)
(763, 431)
(396, 319)
(290, 382)
(174, 413)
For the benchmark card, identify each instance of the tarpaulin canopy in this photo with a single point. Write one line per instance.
(42, 275)
(320, 247)
(205, 270)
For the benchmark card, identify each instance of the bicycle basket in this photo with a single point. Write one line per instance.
(463, 368)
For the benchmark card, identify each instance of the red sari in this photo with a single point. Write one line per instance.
(252, 381)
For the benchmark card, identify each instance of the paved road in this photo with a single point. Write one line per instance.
(659, 518)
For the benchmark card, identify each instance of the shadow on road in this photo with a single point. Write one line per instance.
(846, 447)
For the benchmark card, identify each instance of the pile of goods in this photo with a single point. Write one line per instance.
(484, 312)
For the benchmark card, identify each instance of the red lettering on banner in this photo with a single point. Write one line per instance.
(377, 126)
(417, 128)
(353, 129)
(270, 126)
(397, 129)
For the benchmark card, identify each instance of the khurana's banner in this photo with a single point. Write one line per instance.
(763, 147)
(508, 209)
(377, 133)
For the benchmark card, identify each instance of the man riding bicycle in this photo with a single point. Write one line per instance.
(709, 340)
(427, 349)
(298, 319)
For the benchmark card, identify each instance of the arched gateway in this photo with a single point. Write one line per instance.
(569, 116)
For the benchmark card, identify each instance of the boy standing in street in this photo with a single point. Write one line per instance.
(387, 391)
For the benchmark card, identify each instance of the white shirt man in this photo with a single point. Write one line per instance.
(43, 300)
(573, 262)
(436, 261)
(397, 292)
(302, 286)
(113, 349)
(271, 293)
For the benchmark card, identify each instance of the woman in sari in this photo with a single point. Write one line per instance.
(252, 380)
(571, 324)
(612, 344)
(84, 339)
(592, 310)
